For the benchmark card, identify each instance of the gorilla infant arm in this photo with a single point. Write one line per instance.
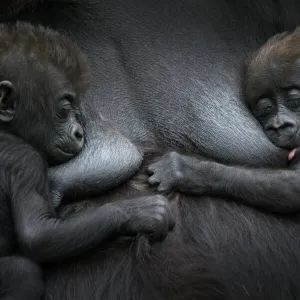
(272, 91)
(42, 75)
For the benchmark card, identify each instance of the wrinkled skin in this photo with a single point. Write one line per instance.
(167, 73)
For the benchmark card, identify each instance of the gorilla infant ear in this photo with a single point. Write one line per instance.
(271, 86)
(42, 76)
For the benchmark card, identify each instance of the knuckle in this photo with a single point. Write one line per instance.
(150, 180)
(160, 200)
(159, 218)
(162, 210)
(150, 168)
(153, 180)
(162, 188)
(178, 174)
(173, 155)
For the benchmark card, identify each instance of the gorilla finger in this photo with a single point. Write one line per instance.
(163, 188)
(153, 180)
(171, 219)
(150, 170)
(56, 198)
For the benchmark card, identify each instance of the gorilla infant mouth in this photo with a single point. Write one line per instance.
(64, 155)
(287, 140)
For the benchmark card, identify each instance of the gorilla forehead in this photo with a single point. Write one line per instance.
(33, 78)
(275, 65)
(31, 44)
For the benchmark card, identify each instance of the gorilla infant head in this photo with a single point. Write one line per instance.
(272, 88)
(42, 75)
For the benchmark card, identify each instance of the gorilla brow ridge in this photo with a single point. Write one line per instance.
(49, 47)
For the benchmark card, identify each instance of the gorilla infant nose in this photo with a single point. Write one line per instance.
(286, 128)
(74, 144)
(282, 133)
(77, 132)
(77, 137)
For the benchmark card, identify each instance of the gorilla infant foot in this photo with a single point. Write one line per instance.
(176, 172)
(150, 215)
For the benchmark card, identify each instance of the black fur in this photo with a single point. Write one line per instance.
(38, 106)
(167, 73)
(29, 56)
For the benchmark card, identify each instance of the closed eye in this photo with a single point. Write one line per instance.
(263, 108)
(293, 103)
(264, 112)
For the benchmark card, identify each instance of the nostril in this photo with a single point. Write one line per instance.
(284, 126)
(78, 135)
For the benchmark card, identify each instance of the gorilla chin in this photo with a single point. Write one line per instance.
(62, 154)
(286, 141)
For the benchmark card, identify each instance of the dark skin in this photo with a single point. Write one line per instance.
(40, 122)
(270, 88)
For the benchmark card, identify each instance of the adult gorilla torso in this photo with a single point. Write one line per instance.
(167, 73)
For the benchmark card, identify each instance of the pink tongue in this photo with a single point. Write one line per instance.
(292, 154)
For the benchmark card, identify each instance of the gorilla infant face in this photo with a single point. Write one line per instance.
(42, 75)
(44, 111)
(272, 88)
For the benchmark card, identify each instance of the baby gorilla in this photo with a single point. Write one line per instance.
(41, 76)
(272, 90)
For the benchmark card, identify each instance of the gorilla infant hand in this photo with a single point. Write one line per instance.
(149, 214)
(177, 172)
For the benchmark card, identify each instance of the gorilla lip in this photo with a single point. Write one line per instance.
(65, 154)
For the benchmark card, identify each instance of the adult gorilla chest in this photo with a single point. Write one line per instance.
(172, 69)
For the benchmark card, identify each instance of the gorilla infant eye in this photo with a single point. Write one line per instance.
(293, 100)
(65, 108)
(263, 108)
